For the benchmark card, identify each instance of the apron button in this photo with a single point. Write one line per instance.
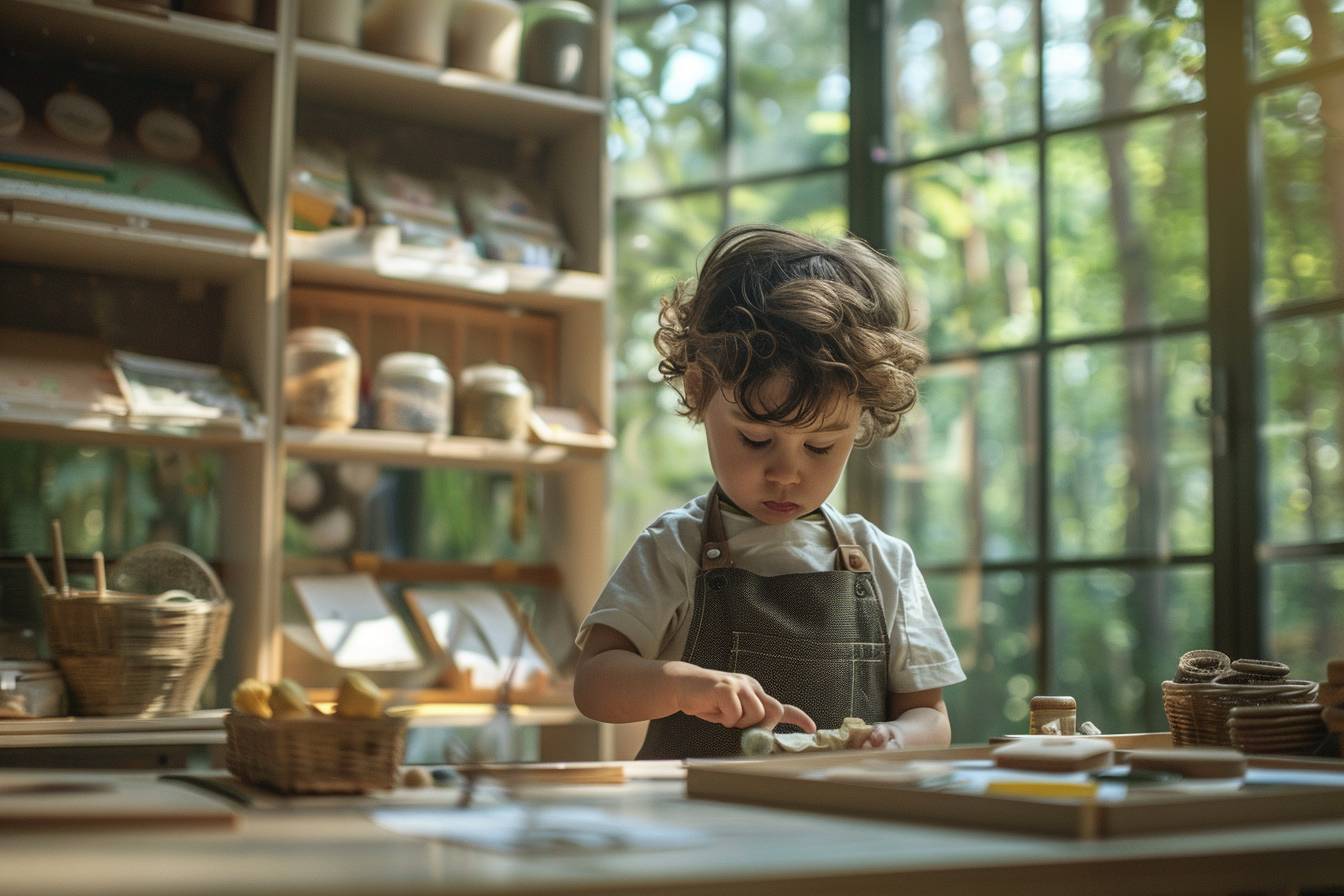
(713, 553)
(860, 590)
(855, 561)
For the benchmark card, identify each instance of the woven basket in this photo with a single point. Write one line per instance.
(316, 755)
(1197, 711)
(139, 654)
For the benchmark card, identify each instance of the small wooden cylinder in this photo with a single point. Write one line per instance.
(1049, 709)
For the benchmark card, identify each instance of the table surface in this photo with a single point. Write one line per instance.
(312, 847)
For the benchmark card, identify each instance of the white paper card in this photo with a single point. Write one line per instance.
(354, 624)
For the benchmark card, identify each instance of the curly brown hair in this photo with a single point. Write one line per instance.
(834, 321)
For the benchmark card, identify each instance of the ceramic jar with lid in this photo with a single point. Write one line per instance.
(411, 29)
(494, 401)
(321, 379)
(557, 44)
(413, 392)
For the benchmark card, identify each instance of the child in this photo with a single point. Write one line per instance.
(758, 604)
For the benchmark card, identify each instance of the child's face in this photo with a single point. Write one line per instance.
(778, 473)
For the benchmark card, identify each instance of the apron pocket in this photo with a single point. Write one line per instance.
(828, 680)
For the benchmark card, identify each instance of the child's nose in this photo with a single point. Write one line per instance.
(782, 470)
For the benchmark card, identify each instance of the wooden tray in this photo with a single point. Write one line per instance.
(789, 781)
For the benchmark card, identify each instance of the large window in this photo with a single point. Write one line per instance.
(725, 112)
(1123, 238)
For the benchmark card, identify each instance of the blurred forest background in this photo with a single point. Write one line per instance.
(1045, 171)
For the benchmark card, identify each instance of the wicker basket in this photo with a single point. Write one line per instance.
(316, 755)
(1197, 711)
(140, 653)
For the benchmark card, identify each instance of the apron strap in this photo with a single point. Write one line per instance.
(848, 555)
(714, 552)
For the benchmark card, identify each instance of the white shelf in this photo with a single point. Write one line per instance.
(496, 283)
(400, 88)
(172, 42)
(405, 449)
(33, 239)
(116, 431)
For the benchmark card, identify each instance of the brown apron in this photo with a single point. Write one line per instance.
(817, 640)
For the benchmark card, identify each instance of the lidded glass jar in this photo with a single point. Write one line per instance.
(495, 401)
(413, 392)
(321, 378)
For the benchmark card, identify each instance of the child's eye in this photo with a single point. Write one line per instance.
(752, 443)
(816, 449)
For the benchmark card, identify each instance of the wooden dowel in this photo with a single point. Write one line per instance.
(37, 573)
(99, 574)
(58, 557)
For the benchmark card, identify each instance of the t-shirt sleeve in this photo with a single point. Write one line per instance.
(922, 656)
(645, 596)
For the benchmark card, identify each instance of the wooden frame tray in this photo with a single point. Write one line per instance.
(790, 782)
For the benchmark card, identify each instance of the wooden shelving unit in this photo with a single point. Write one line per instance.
(268, 76)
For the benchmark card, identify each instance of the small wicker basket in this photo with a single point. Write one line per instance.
(135, 654)
(1197, 712)
(322, 754)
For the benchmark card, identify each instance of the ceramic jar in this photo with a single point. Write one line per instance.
(321, 379)
(494, 401)
(412, 392)
(484, 36)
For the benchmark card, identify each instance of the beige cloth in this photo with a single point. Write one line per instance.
(849, 736)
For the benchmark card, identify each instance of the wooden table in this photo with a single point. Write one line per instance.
(316, 848)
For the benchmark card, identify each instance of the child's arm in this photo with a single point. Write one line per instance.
(918, 719)
(613, 683)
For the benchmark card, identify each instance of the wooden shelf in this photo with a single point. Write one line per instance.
(170, 43)
(399, 88)
(27, 238)
(200, 720)
(116, 431)
(406, 449)
(498, 283)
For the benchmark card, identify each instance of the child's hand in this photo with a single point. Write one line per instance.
(886, 735)
(734, 700)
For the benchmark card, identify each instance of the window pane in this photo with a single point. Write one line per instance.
(965, 232)
(667, 117)
(814, 205)
(962, 477)
(661, 462)
(1289, 33)
(1303, 432)
(1117, 635)
(1108, 57)
(992, 622)
(1302, 192)
(1130, 450)
(958, 73)
(791, 85)
(657, 244)
(1306, 615)
(1128, 232)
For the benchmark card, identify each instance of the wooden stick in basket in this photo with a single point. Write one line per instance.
(99, 573)
(37, 573)
(58, 558)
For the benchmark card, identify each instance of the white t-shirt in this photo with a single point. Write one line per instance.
(649, 596)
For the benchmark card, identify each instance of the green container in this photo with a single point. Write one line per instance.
(557, 48)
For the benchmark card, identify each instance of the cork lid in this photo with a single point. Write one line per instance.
(1046, 702)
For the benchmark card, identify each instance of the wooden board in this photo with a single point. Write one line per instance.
(69, 800)
(794, 782)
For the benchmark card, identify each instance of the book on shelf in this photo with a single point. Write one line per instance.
(56, 376)
(168, 392)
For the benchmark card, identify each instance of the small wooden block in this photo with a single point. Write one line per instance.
(1192, 762)
(1056, 754)
(1334, 672)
